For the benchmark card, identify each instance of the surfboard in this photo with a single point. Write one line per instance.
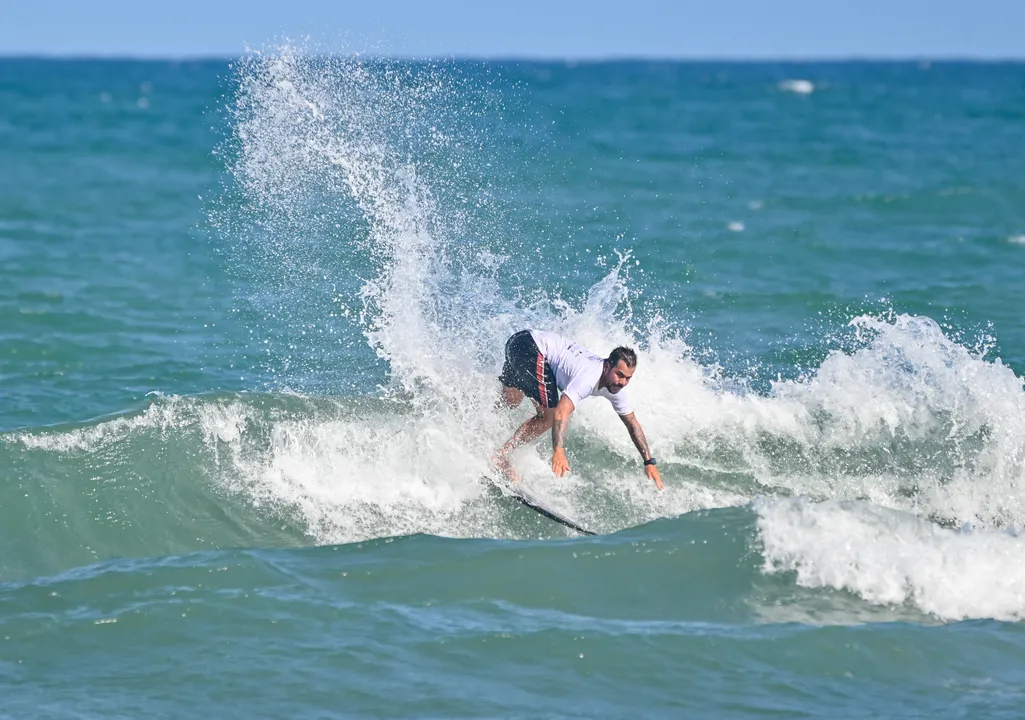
(522, 495)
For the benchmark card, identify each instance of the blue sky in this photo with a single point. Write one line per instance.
(522, 28)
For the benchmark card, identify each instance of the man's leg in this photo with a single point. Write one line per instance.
(512, 397)
(529, 431)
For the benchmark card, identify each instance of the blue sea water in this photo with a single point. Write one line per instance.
(251, 318)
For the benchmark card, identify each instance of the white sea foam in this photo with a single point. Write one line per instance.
(354, 478)
(891, 557)
(1016, 239)
(170, 413)
(911, 419)
(952, 423)
(797, 86)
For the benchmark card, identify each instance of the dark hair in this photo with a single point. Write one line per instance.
(625, 354)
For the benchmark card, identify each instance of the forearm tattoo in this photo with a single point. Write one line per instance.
(640, 442)
(559, 432)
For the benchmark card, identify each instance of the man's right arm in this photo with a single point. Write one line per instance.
(560, 465)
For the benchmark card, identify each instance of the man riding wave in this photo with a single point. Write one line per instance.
(539, 365)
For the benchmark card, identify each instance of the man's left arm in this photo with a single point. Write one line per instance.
(641, 443)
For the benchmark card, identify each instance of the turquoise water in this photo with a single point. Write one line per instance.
(251, 316)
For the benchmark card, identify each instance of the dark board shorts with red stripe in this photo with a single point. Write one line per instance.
(526, 369)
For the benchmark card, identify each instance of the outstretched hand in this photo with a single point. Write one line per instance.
(560, 465)
(652, 472)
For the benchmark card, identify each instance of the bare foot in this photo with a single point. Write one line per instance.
(501, 461)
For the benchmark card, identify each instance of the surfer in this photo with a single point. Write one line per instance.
(539, 365)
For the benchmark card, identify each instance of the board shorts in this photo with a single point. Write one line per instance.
(526, 369)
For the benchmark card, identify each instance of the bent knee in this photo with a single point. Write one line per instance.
(511, 396)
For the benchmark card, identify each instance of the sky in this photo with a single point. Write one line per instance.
(542, 29)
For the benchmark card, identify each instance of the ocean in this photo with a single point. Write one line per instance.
(252, 314)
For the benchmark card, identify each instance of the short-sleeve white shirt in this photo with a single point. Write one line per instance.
(578, 370)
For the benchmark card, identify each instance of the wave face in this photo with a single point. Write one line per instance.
(261, 447)
(887, 478)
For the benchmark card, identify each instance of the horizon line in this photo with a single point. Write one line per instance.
(538, 59)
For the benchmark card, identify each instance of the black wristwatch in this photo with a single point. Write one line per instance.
(651, 461)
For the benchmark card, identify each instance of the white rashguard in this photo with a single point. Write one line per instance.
(578, 370)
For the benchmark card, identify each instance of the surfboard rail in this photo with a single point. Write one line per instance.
(527, 499)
